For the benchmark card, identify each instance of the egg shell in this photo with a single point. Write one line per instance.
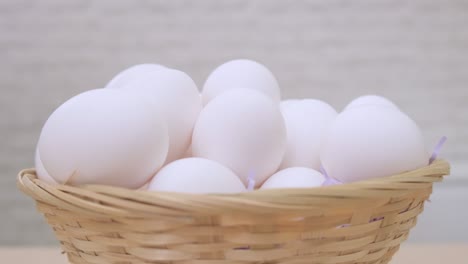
(370, 100)
(295, 177)
(196, 175)
(243, 130)
(307, 122)
(372, 141)
(103, 136)
(41, 172)
(132, 73)
(289, 102)
(175, 96)
(241, 73)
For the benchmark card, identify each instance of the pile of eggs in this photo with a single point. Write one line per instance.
(151, 128)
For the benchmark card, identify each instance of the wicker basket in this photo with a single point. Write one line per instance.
(362, 222)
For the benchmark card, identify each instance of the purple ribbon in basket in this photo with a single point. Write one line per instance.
(328, 180)
(250, 181)
(437, 149)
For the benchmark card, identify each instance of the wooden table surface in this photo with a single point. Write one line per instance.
(408, 254)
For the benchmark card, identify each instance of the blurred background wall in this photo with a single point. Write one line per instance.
(413, 52)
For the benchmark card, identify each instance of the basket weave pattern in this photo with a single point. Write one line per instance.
(362, 222)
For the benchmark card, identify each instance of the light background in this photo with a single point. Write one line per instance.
(413, 52)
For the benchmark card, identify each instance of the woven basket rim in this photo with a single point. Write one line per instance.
(102, 199)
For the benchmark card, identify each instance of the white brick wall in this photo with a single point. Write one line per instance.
(414, 52)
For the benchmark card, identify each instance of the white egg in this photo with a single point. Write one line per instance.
(295, 177)
(104, 136)
(370, 100)
(41, 172)
(372, 141)
(289, 102)
(196, 175)
(241, 73)
(243, 130)
(307, 122)
(132, 73)
(175, 96)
